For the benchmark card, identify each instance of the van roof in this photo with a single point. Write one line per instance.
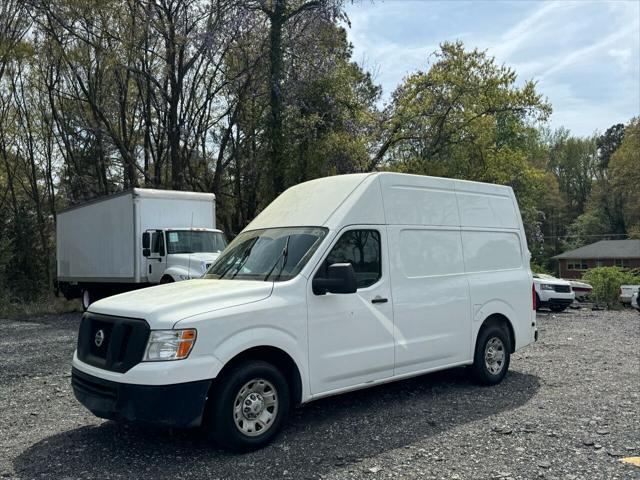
(357, 199)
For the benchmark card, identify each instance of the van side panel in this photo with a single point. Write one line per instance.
(498, 279)
(430, 298)
(416, 200)
(486, 210)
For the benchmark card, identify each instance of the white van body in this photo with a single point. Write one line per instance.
(453, 255)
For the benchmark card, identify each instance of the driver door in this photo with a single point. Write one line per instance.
(156, 261)
(351, 335)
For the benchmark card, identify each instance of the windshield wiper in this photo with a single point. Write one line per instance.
(283, 256)
(240, 263)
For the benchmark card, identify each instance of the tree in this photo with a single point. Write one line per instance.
(624, 166)
(452, 119)
(280, 13)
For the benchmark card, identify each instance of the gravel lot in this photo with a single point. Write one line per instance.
(569, 409)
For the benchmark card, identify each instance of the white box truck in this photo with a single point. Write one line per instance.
(134, 239)
(341, 283)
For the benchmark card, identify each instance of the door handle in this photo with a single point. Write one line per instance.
(379, 300)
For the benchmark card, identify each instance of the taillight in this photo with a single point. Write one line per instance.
(533, 295)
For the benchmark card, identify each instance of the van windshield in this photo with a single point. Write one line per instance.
(272, 254)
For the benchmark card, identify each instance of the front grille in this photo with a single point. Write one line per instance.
(562, 288)
(112, 343)
(86, 385)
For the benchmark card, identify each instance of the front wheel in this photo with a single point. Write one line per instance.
(248, 406)
(87, 298)
(492, 356)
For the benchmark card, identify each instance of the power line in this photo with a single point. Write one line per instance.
(597, 236)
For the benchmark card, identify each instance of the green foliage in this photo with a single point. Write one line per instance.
(625, 173)
(584, 229)
(606, 282)
(537, 268)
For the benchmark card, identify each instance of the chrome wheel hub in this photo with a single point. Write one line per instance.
(255, 407)
(494, 355)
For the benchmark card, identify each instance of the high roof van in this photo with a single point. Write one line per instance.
(341, 283)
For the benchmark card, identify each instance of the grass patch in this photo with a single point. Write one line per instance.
(47, 304)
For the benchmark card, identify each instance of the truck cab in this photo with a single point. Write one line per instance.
(175, 254)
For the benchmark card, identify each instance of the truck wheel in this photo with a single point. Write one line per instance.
(249, 406)
(492, 356)
(87, 299)
(166, 279)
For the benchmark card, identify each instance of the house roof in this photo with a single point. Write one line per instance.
(604, 249)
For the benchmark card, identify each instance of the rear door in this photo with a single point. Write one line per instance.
(351, 335)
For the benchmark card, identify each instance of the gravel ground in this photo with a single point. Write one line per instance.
(569, 409)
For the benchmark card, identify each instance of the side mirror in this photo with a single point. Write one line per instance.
(146, 241)
(341, 278)
(146, 252)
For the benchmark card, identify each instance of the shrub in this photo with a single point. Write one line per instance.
(606, 282)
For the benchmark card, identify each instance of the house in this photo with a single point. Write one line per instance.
(605, 253)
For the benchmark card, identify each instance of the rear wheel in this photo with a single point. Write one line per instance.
(558, 308)
(248, 407)
(492, 355)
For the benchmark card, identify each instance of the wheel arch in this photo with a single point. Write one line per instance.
(277, 357)
(499, 319)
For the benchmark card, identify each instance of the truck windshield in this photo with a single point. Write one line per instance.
(272, 254)
(195, 241)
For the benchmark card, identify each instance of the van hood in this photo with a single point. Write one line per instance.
(164, 305)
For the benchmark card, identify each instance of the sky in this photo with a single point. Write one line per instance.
(584, 55)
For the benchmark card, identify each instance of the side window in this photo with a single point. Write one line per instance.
(157, 242)
(360, 248)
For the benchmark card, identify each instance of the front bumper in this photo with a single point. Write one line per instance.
(178, 405)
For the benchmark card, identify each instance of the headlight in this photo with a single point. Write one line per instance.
(169, 345)
(546, 286)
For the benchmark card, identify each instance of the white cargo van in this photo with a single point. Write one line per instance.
(134, 239)
(341, 283)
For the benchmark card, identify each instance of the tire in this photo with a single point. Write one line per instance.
(492, 355)
(166, 279)
(558, 308)
(87, 299)
(247, 385)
